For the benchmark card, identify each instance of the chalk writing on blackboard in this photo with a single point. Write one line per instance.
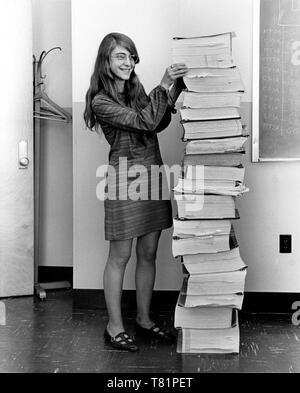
(279, 80)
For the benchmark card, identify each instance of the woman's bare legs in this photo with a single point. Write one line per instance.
(146, 248)
(119, 254)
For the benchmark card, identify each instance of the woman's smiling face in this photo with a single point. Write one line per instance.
(121, 63)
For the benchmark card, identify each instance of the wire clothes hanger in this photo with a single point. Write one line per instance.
(44, 107)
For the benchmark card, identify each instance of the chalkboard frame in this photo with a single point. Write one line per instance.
(256, 91)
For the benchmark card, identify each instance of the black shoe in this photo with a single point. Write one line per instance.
(121, 341)
(155, 332)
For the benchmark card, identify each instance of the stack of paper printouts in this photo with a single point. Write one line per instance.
(206, 313)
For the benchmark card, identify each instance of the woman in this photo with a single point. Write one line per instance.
(130, 120)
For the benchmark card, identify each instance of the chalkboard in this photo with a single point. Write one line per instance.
(276, 80)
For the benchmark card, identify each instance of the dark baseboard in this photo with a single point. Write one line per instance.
(270, 302)
(255, 302)
(94, 299)
(55, 273)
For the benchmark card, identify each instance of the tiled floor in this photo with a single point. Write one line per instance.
(53, 337)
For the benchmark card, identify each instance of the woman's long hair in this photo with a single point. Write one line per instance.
(103, 79)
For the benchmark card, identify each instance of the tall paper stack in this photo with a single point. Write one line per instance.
(214, 274)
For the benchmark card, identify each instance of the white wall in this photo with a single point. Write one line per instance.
(268, 210)
(51, 28)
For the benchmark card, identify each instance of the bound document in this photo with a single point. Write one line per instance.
(193, 236)
(216, 145)
(225, 340)
(216, 159)
(215, 173)
(200, 244)
(205, 51)
(212, 100)
(216, 283)
(194, 228)
(233, 300)
(207, 129)
(226, 261)
(194, 206)
(210, 186)
(196, 114)
(203, 317)
(209, 80)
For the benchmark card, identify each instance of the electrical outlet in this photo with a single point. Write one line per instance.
(285, 244)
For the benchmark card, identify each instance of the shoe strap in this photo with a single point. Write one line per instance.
(156, 329)
(123, 338)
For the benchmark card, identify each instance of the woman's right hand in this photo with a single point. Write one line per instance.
(172, 73)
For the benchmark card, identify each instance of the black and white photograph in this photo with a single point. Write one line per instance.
(150, 188)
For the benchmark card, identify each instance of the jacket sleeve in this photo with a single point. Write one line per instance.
(110, 112)
(172, 96)
(166, 120)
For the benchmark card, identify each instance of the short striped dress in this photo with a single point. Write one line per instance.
(136, 203)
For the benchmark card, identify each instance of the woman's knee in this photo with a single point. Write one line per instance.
(118, 261)
(147, 254)
(146, 247)
(119, 253)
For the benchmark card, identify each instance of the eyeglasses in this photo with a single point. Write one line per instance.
(121, 57)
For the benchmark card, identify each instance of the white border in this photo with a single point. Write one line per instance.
(255, 81)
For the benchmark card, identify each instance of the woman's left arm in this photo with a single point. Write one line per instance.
(176, 89)
(173, 94)
(165, 121)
